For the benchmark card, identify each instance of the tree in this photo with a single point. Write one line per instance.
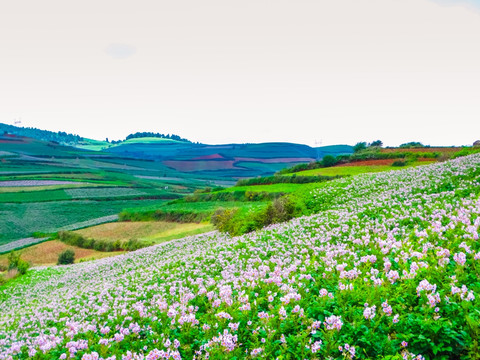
(66, 257)
(15, 263)
(329, 160)
(377, 143)
(359, 146)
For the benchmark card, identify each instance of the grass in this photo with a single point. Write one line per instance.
(356, 170)
(207, 206)
(272, 188)
(147, 231)
(47, 253)
(18, 189)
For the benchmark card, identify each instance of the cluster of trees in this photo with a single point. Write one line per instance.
(156, 135)
(364, 145)
(412, 145)
(60, 137)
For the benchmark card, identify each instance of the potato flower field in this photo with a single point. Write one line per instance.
(388, 269)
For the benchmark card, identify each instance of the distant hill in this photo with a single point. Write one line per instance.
(60, 137)
(228, 161)
(178, 155)
(138, 135)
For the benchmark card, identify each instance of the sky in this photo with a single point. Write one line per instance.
(316, 72)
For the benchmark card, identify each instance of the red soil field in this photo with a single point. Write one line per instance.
(201, 165)
(209, 157)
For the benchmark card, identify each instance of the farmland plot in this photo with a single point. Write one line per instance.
(388, 268)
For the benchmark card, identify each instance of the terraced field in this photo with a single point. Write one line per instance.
(150, 232)
(387, 268)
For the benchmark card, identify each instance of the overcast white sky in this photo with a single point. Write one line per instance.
(219, 71)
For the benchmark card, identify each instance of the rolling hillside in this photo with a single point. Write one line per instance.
(386, 268)
(46, 186)
(228, 161)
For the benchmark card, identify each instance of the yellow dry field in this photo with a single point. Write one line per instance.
(47, 253)
(152, 231)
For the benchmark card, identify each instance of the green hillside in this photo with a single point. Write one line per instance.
(386, 267)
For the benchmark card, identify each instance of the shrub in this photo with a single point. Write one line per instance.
(399, 163)
(22, 266)
(13, 259)
(133, 244)
(224, 220)
(329, 160)
(16, 265)
(66, 257)
(279, 210)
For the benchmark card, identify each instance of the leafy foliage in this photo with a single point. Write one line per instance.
(66, 257)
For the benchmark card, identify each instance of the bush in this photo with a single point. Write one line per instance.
(22, 266)
(399, 163)
(66, 257)
(224, 220)
(13, 259)
(16, 265)
(278, 211)
(329, 160)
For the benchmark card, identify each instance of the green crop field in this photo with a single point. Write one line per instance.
(19, 220)
(273, 188)
(196, 207)
(355, 170)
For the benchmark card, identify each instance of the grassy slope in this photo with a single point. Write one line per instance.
(389, 258)
(355, 170)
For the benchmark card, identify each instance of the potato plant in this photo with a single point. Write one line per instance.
(388, 268)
